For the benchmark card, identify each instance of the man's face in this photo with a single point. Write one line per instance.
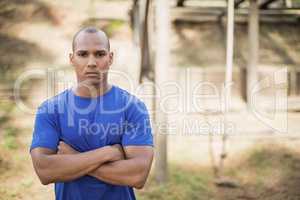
(91, 59)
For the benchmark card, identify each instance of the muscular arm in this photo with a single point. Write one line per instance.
(133, 171)
(51, 167)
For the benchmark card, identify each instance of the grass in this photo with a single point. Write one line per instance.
(263, 172)
(10, 138)
(9, 133)
(184, 183)
(268, 172)
(264, 161)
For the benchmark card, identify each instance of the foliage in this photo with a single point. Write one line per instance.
(16, 11)
(9, 138)
(109, 26)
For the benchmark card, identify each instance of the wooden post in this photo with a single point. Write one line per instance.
(180, 3)
(229, 52)
(228, 78)
(144, 43)
(162, 20)
(293, 81)
(253, 44)
(289, 3)
(243, 82)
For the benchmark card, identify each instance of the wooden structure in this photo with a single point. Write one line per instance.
(263, 4)
(152, 62)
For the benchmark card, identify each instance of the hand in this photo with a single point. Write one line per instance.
(64, 148)
(118, 152)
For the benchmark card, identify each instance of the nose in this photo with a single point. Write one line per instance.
(91, 61)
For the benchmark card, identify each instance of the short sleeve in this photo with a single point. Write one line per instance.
(45, 133)
(138, 130)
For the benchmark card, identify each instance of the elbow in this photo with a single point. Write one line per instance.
(142, 175)
(44, 174)
(139, 186)
(139, 182)
(41, 167)
(44, 179)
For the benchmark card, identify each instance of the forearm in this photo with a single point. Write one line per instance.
(60, 168)
(64, 168)
(132, 172)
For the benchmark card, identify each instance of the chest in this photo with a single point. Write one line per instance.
(93, 130)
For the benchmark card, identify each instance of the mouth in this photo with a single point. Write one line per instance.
(92, 74)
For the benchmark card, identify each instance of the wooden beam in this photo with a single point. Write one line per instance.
(265, 4)
(193, 11)
(238, 3)
(188, 14)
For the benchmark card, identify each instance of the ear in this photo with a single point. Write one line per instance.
(71, 57)
(111, 57)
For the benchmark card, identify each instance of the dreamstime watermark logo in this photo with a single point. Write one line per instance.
(172, 97)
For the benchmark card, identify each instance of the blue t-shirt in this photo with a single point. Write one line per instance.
(116, 117)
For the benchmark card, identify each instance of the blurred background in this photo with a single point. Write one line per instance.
(248, 151)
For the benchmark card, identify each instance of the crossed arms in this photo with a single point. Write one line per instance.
(128, 166)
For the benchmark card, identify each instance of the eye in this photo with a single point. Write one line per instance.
(100, 54)
(82, 54)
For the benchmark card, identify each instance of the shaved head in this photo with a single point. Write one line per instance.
(91, 30)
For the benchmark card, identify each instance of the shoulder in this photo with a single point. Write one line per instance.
(129, 100)
(134, 107)
(52, 104)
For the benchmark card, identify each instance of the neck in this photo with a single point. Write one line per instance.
(92, 90)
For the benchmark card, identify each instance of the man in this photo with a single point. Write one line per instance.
(93, 141)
